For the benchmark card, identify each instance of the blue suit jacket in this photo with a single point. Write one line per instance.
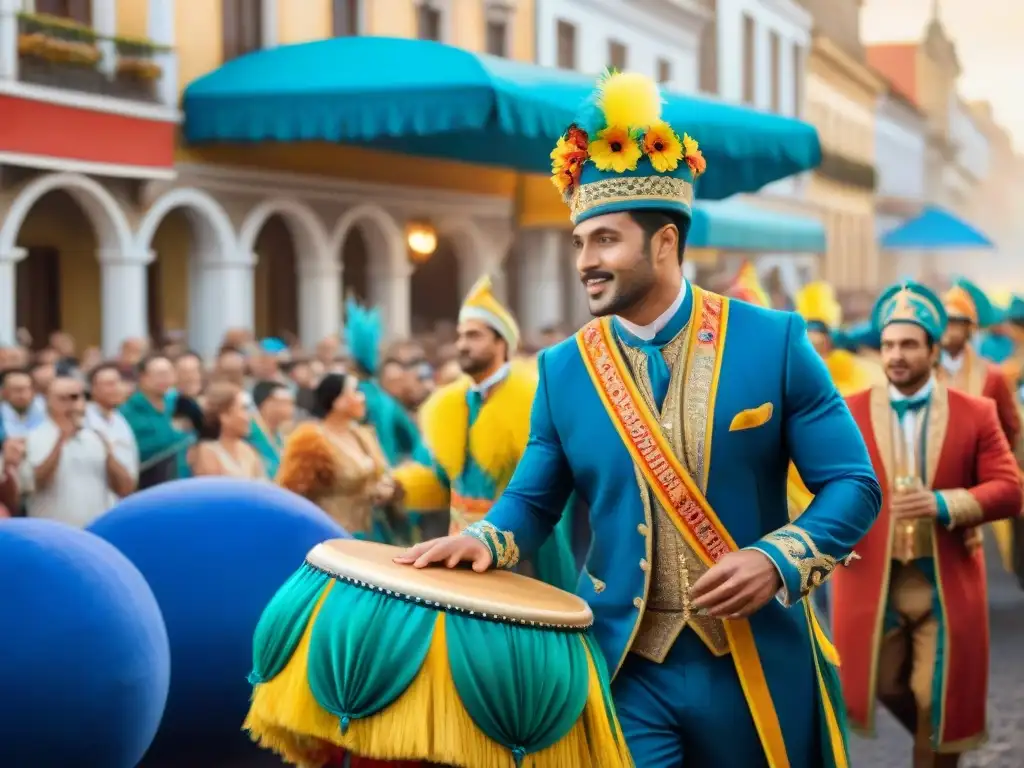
(574, 445)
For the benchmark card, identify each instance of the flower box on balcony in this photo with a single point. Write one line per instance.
(137, 71)
(59, 53)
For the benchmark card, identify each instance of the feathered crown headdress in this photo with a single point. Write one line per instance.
(816, 303)
(621, 155)
(363, 335)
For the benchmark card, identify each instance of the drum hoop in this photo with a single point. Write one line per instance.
(448, 607)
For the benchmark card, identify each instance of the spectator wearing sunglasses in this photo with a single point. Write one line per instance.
(71, 471)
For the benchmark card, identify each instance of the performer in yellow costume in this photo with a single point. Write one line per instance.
(475, 431)
(816, 303)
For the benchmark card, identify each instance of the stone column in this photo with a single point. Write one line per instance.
(319, 300)
(224, 301)
(9, 295)
(540, 280)
(161, 32)
(124, 298)
(9, 10)
(104, 21)
(390, 290)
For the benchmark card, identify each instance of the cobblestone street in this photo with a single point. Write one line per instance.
(1005, 748)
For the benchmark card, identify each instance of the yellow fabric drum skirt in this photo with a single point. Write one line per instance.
(453, 667)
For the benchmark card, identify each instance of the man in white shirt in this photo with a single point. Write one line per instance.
(70, 469)
(107, 392)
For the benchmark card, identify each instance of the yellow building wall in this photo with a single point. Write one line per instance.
(198, 35)
(133, 18)
(57, 222)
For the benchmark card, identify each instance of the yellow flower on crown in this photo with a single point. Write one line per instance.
(615, 149)
(662, 147)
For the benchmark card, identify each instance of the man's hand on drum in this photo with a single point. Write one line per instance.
(449, 551)
(737, 585)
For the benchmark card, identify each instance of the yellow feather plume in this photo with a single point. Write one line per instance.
(480, 287)
(816, 302)
(629, 100)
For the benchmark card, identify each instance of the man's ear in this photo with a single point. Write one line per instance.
(665, 244)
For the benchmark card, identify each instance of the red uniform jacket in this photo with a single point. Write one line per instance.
(979, 378)
(966, 449)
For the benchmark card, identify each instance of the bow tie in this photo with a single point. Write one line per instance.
(912, 405)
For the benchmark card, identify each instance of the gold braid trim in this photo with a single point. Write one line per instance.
(964, 509)
(799, 550)
(502, 544)
(615, 190)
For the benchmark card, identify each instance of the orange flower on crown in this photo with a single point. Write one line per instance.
(567, 160)
(694, 157)
(663, 147)
(615, 150)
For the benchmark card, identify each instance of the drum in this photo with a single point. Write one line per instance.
(452, 667)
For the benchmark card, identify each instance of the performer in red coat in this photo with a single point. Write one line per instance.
(911, 615)
(969, 309)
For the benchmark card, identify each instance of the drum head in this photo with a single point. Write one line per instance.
(495, 595)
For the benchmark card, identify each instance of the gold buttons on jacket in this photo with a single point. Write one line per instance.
(642, 529)
(638, 602)
(644, 565)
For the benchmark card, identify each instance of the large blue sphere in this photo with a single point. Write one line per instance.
(214, 551)
(84, 656)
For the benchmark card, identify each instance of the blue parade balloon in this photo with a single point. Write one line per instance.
(84, 654)
(214, 550)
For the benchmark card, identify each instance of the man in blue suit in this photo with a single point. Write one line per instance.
(674, 414)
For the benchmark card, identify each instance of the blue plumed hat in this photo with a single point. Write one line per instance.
(621, 156)
(910, 302)
(363, 335)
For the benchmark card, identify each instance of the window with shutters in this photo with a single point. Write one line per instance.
(241, 27)
(664, 71)
(775, 51)
(616, 55)
(566, 33)
(497, 37)
(709, 51)
(76, 10)
(428, 22)
(749, 60)
(346, 20)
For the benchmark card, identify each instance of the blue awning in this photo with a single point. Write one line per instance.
(935, 229)
(424, 98)
(736, 226)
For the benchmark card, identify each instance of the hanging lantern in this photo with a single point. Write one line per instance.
(422, 241)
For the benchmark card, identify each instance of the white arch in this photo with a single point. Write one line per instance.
(379, 227)
(214, 232)
(473, 250)
(113, 232)
(308, 232)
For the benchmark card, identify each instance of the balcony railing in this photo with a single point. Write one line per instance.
(60, 53)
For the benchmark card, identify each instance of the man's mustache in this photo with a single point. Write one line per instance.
(595, 274)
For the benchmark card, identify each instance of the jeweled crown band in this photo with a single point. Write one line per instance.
(671, 190)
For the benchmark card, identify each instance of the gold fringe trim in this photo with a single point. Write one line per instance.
(427, 722)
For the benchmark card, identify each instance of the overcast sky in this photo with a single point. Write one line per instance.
(989, 37)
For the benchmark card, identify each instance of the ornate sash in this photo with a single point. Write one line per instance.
(676, 490)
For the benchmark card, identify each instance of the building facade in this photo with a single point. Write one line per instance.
(122, 243)
(916, 54)
(901, 148)
(755, 53)
(842, 101)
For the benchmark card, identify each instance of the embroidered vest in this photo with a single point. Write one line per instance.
(676, 566)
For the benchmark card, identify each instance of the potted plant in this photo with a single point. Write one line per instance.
(137, 70)
(58, 52)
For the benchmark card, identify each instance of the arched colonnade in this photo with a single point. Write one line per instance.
(223, 274)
